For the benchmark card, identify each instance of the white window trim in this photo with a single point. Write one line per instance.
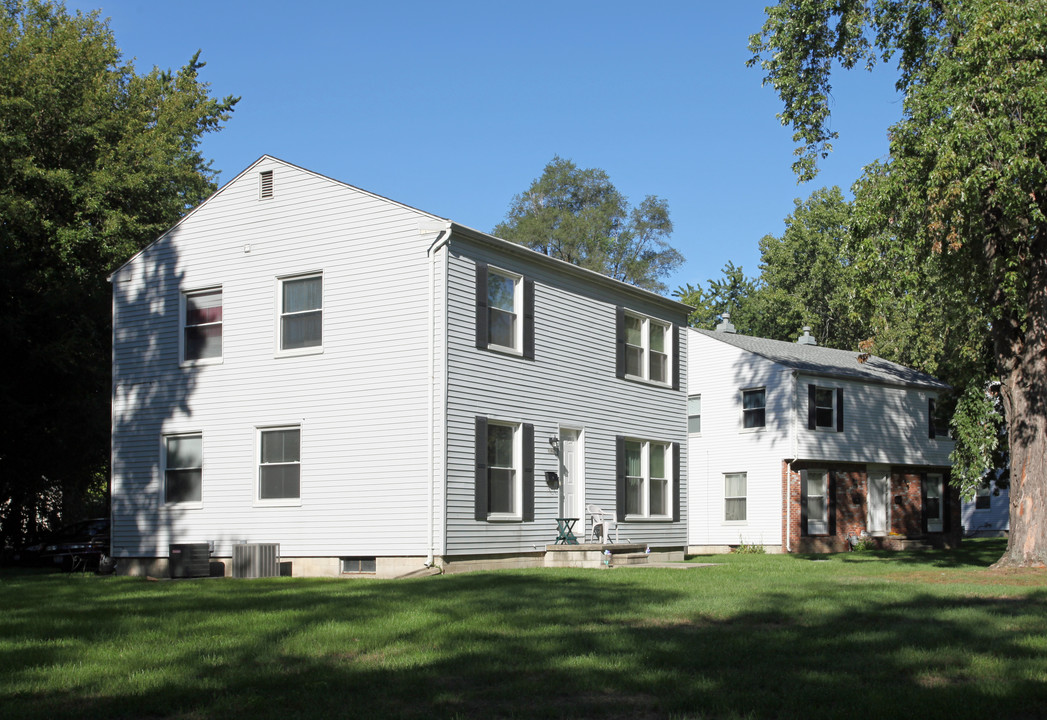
(741, 418)
(824, 530)
(727, 497)
(831, 427)
(276, 502)
(517, 312)
(517, 472)
(191, 504)
(278, 326)
(698, 432)
(645, 480)
(983, 490)
(939, 480)
(645, 339)
(182, 316)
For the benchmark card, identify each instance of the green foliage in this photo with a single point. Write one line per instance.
(577, 215)
(953, 225)
(731, 294)
(977, 426)
(749, 549)
(96, 160)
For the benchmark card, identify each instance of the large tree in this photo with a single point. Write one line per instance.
(96, 160)
(961, 199)
(577, 215)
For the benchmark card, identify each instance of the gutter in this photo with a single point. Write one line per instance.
(438, 244)
(794, 442)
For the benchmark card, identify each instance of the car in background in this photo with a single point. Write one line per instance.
(77, 546)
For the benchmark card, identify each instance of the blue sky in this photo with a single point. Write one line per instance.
(454, 107)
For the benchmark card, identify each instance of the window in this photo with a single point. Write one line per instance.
(734, 496)
(647, 475)
(183, 468)
(646, 349)
(504, 484)
(202, 326)
(503, 300)
(301, 313)
(504, 311)
(933, 488)
(754, 408)
(817, 501)
(936, 426)
(501, 470)
(694, 414)
(279, 464)
(358, 565)
(983, 497)
(824, 408)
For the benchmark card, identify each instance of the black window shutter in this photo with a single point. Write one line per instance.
(480, 479)
(528, 318)
(812, 407)
(619, 347)
(839, 409)
(482, 333)
(803, 502)
(830, 504)
(930, 418)
(676, 482)
(676, 357)
(528, 472)
(619, 478)
(923, 502)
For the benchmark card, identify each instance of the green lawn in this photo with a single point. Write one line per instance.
(928, 635)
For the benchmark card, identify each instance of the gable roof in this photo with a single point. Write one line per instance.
(456, 228)
(829, 362)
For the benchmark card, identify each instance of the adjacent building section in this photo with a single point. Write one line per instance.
(802, 448)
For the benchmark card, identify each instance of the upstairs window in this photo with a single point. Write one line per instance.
(503, 308)
(183, 468)
(202, 326)
(937, 427)
(646, 349)
(301, 313)
(504, 311)
(754, 408)
(824, 408)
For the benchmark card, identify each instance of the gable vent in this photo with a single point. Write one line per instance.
(265, 184)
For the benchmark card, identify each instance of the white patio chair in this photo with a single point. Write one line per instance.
(602, 524)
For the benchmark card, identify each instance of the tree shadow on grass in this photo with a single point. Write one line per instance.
(537, 644)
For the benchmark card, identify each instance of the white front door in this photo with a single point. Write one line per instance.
(879, 477)
(571, 477)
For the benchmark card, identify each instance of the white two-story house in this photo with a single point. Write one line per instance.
(798, 448)
(377, 389)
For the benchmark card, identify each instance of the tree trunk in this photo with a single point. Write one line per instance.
(1021, 356)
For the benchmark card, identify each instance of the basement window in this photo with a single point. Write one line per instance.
(358, 566)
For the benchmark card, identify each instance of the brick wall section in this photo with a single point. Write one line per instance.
(851, 511)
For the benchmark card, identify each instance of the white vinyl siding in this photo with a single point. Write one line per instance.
(362, 405)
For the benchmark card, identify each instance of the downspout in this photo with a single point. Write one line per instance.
(794, 443)
(441, 240)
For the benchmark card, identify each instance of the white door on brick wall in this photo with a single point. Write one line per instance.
(879, 479)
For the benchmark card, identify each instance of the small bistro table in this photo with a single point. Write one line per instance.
(565, 531)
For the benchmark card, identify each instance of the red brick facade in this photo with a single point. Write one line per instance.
(850, 496)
